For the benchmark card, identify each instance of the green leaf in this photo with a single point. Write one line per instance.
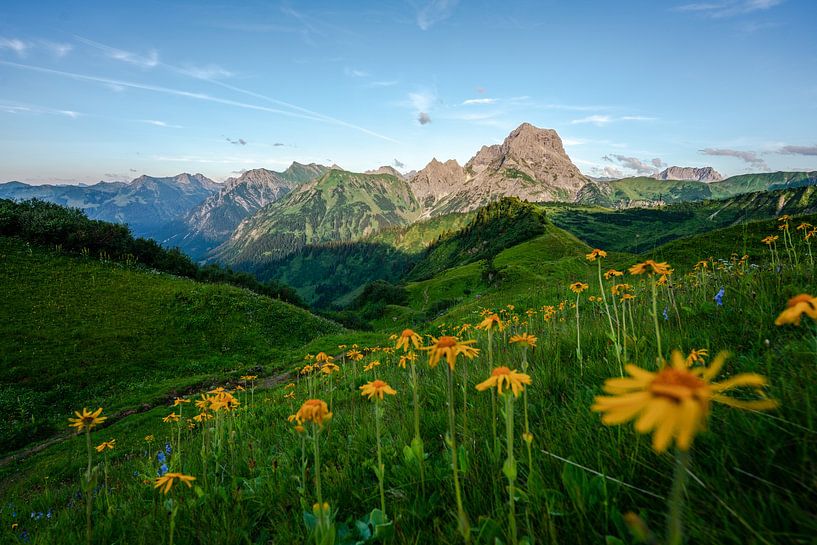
(611, 540)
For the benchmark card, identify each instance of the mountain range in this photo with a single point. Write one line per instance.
(264, 215)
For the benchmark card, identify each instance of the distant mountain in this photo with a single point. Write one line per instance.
(530, 164)
(147, 204)
(386, 169)
(214, 220)
(704, 174)
(647, 192)
(338, 206)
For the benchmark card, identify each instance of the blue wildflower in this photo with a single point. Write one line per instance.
(162, 469)
(168, 449)
(161, 457)
(666, 314)
(719, 297)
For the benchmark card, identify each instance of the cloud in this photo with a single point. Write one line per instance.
(728, 8)
(633, 163)
(607, 172)
(133, 170)
(300, 112)
(601, 120)
(278, 144)
(206, 72)
(355, 73)
(157, 123)
(749, 157)
(474, 101)
(383, 83)
(434, 12)
(149, 60)
(423, 118)
(798, 150)
(398, 164)
(18, 46)
(17, 108)
(237, 142)
(658, 163)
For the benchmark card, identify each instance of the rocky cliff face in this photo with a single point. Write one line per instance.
(704, 174)
(530, 164)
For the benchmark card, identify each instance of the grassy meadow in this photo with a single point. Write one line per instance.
(436, 460)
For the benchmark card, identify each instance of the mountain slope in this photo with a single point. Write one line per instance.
(338, 206)
(215, 219)
(704, 174)
(79, 332)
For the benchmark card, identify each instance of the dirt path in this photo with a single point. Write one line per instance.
(265, 383)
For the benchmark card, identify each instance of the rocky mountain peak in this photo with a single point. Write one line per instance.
(703, 174)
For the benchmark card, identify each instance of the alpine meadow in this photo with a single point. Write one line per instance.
(431, 272)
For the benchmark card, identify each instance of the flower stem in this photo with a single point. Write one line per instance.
(675, 526)
(579, 338)
(655, 318)
(613, 333)
(88, 488)
(510, 465)
(462, 518)
(417, 439)
(381, 475)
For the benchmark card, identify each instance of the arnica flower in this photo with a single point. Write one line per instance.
(306, 369)
(354, 355)
(650, 267)
(298, 423)
(219, 390)
(329, 368)
(702, 264)
(503, 377)
(697, 355)
(578, 287)
(315, 411)
(673, 403)
(289, 386)
(796, 307)
(408, 337)
(376, 388)
(179, 401)
(323, 357)
(372, 365)
(769, 240)
(406, 358)
(627, 297)
(106, 445)
(149, 438)
(596, 253)
(449, 347)
(201, 417)
(290, 395)
(166, 481)
(619, 288)
(491, 321)
(524, 340)
(172, 417)
(612, 273)
(87, 419)
(249, 377)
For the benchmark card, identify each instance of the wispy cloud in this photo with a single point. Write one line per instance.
(398, 164)
(476, 101)
(236, 141)
(147, 60)
(383, 83)
(14, 44)
(798, 150)
(435, 11)
(602, 119)
(423, 118)
(163, 124)
(302, 113)
(644, 168)
(18, 108)
(749, 157)
(728, 8)
(355, 73)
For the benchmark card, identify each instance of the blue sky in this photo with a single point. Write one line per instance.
(109, 90)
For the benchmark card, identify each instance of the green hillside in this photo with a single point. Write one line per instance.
(79, 331)
(338, 206)
(640, 230)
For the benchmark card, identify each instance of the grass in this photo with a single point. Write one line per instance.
(79, 331)
(753, 471)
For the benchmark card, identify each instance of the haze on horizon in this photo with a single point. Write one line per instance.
(103, 92)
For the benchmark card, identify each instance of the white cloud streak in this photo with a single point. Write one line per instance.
(434, 12)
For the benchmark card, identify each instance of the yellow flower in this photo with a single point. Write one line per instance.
(329, 368)
(612, 273)
(662, 281)
(219, 390)
(796, 307)
(408, 337)
(249, 377)
(289, 386)
(354, 355)
(578, 287)
(372, 365)
(503, 376)
(409, 357)
(525, 340)
(527, 437)
(315, 411)
(673, 403)
(87, 419)
(324, 357)
(172, 417)
(149, 438)
(449, 347)
(619, 288)
(109, 445)
(376, 388)
(290, 395)
(169, 479)
(697, 355)
(784, 217)
(650, 267)
(201, 417)
(179, 401)
(702, 264)
(770, 240)
(596, 254)
(491, 321)
(306, 369)
(804, 226)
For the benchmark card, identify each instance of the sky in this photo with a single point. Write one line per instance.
(95, 91)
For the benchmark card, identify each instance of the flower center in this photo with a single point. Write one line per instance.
(446, 342)
(797, 299)
(501, 371)
(677, 385)
(407, 333)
